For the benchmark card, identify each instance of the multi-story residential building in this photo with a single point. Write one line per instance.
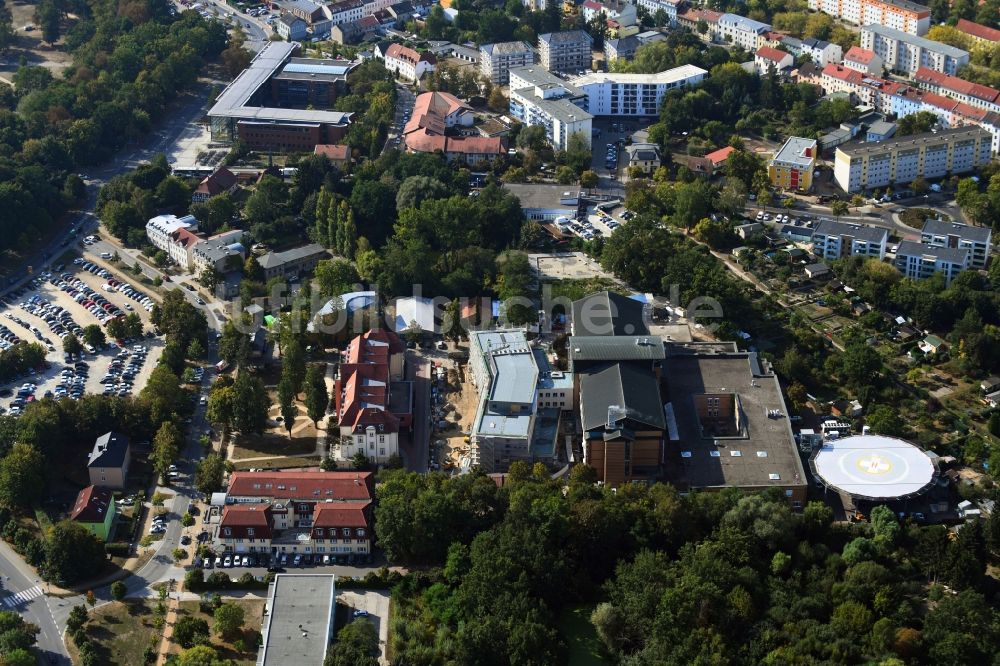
(792, 166)
(520, 400)
(613, 94)
(540, 98)
(345, 11)
(496, 60)
(373, 403)
(626, 47)
(821, 52)
(973, 94)
(644, 156)
(741, 31)
(906, 53)
(295, 512)
(220, 252)
(833, 240)
(668, 7)
(768, 59)
(918, 261)
(109, 462)
(160, 230)
(898, 14)
(863, 60)
(95, 510)
(693, 18)
(977, 240)
(291, 28)
(407, 63)
(902, 159)
(294, 261)
(567, 51)
(980, 34)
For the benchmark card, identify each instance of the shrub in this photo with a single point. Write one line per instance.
(118, 549)
(194, 580)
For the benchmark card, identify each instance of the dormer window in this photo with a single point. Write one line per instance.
(227, 531)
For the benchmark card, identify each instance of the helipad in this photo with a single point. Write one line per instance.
(873, 467)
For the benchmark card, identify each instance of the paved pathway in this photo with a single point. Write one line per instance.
(321, 448)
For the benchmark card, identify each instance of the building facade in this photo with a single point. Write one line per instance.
(496, 60)
(792, 166)
(741, 31)
(408, 64)
(902, 159)
(833, 240)
(292, 262)
(160, 230)
(291, 28)
(918, 261)
(977, 240)
(540, 98)
(633, 95)
(95, 510)
(908, 17)
(567, 51)
(906, 53)
(109, 461)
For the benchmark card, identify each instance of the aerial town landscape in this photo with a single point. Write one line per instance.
(329, 336)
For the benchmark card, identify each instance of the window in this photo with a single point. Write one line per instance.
(250, 531)
(227, 531)
(347, 532)
(361, 532)
(381, 451)
(319, 532)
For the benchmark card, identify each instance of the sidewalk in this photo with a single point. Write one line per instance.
(173, 605)
(322, 450)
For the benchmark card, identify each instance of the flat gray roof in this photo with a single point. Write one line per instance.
(232, 102)
(859, 231)
(299, 620)
(544, 196)
(922, 42)
(512, 366)
(793, 152)
(534, 75)
(615, 348)
(273, 259)
(565, 36)
(914, 141)
(881, 127)
(964, 231)
(766, 447)
(952, 255)
(506, 48)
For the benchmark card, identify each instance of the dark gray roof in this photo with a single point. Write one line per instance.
(792, 230)
(624, 385)
(275, 259)
(565, 36)
(608, 313)
(110, 450)
(859, 231)
(963, 231)
(615, 348)
(953, 255)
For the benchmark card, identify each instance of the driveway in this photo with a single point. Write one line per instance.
(377, 606)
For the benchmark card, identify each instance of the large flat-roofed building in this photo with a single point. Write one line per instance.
(566, 51)
(540, 98)
(727, 423)
(496, 60)
(520, 400)
(266, 105)
(918, 261)
(903, 15)
(903, 159)
(792, 166)
(906, 53)
(299, 623)
(617, 94)
(544, 203)
(977, 240)
(833, 240)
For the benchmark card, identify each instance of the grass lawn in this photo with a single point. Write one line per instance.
(581, 636)
(253, 613)
(122, 631)
(283, 462)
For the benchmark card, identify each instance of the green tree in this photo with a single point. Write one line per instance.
(201, 655)
(209, 473)
(71, 344)
(336, 277)
(190, 630)
(885, 420)
(93, 335)
(77, 618)
(588, 179)
(72, 553)
(293, 362)
(221, 409)
(838, 208)
(356, 645)
(286, 400)
(22, 476)
(316, 395)
(118, 590)
(166, 447)
(228, 619)
(250, 404)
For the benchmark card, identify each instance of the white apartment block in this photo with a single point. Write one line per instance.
(741, 31)
(612, 94)
(669, 7)
(833, 240)
(901, 160)
(943, 234)
(496, 60)
(906, 53)
(540, 98)
(918, 261)
(345, 11)
(567, 51)
(897, 14)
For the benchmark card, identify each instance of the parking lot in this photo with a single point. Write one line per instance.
(62, 303)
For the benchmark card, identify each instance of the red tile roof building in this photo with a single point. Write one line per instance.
(338, 154)
(221, 181)
(434, 115)
(974, 94)
(94, 509)
(407, 63)
(979, 33)
(372, 403)
(719, 157)
(297, 485)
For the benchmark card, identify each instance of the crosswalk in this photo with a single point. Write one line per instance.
(23, 596)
